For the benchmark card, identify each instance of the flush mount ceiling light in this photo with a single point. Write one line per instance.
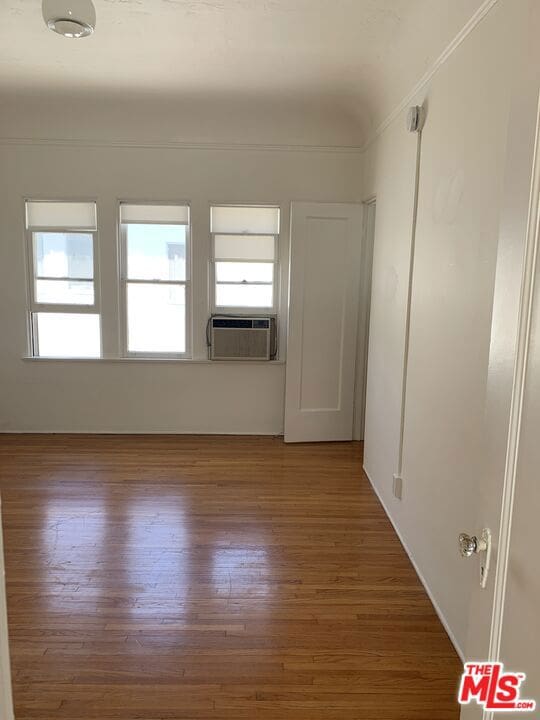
(70, 18)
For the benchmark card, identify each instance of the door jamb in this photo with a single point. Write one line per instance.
(366, 273)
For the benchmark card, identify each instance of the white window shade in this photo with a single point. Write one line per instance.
(68, 215)
(161, 214)
(244, 247)
(233, 219)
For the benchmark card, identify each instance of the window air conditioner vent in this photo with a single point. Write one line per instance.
(242, 338)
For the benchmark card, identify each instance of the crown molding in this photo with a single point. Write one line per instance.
(84, 143)
(478, 16)
(465, 31)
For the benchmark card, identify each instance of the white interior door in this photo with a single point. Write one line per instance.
(323, 321)
(509, 390)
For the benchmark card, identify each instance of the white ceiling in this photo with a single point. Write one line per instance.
(357, 57)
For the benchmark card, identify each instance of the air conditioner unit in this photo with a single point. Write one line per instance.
(242, 338)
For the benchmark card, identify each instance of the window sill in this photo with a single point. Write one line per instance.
(189, 361)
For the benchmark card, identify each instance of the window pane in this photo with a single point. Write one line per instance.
(156, 318)
(65, 292)
(68, 335)
(76, 215)
(156, 252)
(231, 219)
(244, 247)
(249, 296)
(244, 272)
(64, 255)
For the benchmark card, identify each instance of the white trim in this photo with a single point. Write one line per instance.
(145, 359)
(64, 309)
(526, 306)
(189, 433)
(37, 306)
(245, 309)
(124, 281)
(6, 701)
(275, 308)
(172, 145)
(421, 577)
(369, 208)
(465, 31)
(66, 278)
(33, 306)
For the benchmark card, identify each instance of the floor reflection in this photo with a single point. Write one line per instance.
(157, 552)
(72, 547)
(241, 570)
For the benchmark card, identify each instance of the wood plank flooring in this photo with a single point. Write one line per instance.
(216, 578)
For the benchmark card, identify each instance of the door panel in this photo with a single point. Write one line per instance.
(518, 240)
(323, 319)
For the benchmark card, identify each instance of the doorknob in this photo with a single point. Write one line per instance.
(472, 545)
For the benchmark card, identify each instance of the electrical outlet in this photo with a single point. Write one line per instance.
(398, 487)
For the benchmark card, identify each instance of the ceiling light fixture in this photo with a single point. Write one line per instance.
(70, 18)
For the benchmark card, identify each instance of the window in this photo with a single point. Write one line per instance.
(151, 277)
(64, 302)
(155, 278)
(244, 258)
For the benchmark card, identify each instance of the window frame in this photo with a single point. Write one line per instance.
(34, 306)
(276, 282)
(124, 281)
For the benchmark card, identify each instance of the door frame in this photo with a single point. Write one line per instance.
(369, 216)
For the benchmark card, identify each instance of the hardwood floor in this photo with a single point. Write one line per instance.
(211, 577)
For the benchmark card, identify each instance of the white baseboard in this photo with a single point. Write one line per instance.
(141, 431)
(423, 580)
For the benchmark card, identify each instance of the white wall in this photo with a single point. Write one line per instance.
(388, 174)
(151, 118)
(461, 169)
(138, 396)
